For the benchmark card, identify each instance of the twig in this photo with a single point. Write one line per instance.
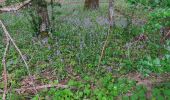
(15, 7)
(20, 53)
(4, 66)
(104, 47)
(40, 87)
(73, 2)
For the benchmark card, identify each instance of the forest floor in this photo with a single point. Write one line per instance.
(135, 64)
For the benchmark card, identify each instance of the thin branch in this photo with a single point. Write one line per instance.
(20, 53)
(4, 66)
(15, 7)
(22, 90)
(111, 23)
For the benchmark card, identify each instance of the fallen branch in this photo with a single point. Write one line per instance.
(22, 90)
(4, 66)
(20, 53)
(14, 7)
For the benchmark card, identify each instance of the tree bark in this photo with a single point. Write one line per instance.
(43, 18)
(91, 4)
(111, 13)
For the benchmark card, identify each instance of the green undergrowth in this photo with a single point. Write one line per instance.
(73, 53)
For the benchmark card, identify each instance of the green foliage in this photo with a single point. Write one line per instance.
(9, 2)
(73, 52)
(159, 18)
(139, 93)
(107, 89)
(149, 65)
(152, 3)
(161, 93)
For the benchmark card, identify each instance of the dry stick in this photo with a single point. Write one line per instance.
(15, 7)
(26, 65)
(104, 47)
(111, 13)
(79, 2)
(4, 66)
(40, 87)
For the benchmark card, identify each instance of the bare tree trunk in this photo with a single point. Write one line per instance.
(111, 13)
(43, 18)
(91, 4)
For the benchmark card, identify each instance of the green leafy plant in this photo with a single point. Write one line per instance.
(159, 18)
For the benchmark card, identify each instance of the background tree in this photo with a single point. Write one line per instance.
(91, 4)
(42, 24)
